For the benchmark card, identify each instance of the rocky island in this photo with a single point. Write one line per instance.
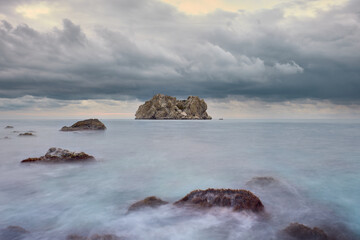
(88, 124)
(59, 155)
(167, 107)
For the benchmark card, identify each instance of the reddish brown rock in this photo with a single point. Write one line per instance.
(152, 202)
(88, 124)
(299, 231)
(59, 155)
(238, 200)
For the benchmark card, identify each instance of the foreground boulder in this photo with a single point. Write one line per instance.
(152, 202)
(88, 124)
(238, 200)
(297, 231)
(59, 155)
(167, 107)
(94, 237)
(13, 233)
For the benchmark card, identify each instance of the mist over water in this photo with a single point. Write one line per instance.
(315, 164)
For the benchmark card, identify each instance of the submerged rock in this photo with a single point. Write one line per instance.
(261, 181)
(94, 237)
(167, 107)
(13, 233)
(26, 134)
(152, 202)
(88, 124)
(9, 127)
(297, 231)
(238, 200)
(59, 155)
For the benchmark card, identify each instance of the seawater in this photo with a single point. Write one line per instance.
(316, 165)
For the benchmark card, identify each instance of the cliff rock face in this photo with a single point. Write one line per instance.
(88, 124)
(238, 200)
(167, 107)
(59, 155)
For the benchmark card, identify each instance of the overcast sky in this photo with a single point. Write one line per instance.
(247, 59)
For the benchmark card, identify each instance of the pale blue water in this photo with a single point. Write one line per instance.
(316, 163)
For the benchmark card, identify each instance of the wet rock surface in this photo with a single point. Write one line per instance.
(297, 231)
(238, 200)
(13, 233)
(150, 202)
(167, 107)
(88, 124)
(59, 155)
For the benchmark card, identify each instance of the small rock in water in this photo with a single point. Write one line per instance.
(238, 200)
(297, 231)
(59, 155)
(13, 233)
(9, 127)
(26, 134)
(261, 181)
(89, 124)
(94, 237)
(152, 202)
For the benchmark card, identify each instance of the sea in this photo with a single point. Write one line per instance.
(314, 167)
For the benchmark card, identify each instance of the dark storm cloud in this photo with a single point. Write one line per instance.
(140, 48)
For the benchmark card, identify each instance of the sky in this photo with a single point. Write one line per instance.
(247, 59)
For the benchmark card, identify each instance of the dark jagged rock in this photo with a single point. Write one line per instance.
(88, 124)
(167, 107)
(238, 200)
(26, 134)
(13, 233)
(297, 231)
(59, 155)
(152, 202)
(94, 237)
(9, 127)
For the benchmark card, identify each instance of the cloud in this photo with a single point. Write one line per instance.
(134, 49)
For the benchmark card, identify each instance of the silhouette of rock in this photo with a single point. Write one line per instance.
(167, 107)
(152, 202)
(59, 155)
(238, 200)
(88, 124)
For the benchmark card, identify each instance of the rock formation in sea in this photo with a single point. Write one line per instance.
(26, 134)
(94, 237)
(297, 231)
(167, 107)
(59, 155)
(88, 124)
(152, 202)
(238, 200)
(13, 233)
(9, 127)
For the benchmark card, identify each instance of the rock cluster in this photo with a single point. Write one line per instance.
(167, 107)
(236, 199)
(152, 202)
(59, 155)
(88, 124)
